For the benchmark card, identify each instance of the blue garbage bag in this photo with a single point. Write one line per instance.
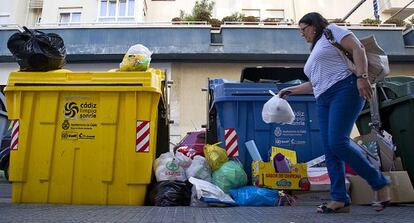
(255, 196)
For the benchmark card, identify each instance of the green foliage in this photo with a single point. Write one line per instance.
(176, 19)
(215, 22)
(271, 20)
(250, 19)
(235, 17)
(202, 11)
(371, 21)
(397, 22)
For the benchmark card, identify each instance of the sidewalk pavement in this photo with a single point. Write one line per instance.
(92, 213)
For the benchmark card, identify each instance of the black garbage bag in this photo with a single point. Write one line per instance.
(171, 193)
(37, 51)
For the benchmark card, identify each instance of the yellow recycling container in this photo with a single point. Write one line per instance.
(83, 137)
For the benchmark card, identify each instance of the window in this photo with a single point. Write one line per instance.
(70, 17)
(4, 19)
(116, 10)
(251, 12)
(277, 14)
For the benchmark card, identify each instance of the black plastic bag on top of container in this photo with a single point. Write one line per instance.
(171, 193)
(37, 51)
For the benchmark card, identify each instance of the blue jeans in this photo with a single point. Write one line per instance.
(338, 109)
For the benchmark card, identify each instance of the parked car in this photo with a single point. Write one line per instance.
(192, 144)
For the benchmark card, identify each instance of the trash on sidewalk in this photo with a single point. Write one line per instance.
(255, 196)
(215, 156)
(171, 193)
(253, 151)
(264, 174)
(209, 194)
(199, 169)
(319, 179)
(401, 188)
(169, 167)
(230, 176)
(318, 175)
(384, 147)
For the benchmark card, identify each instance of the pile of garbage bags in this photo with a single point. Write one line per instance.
(212, 180)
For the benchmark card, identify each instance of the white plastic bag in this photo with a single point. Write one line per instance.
(137, 58)
(199, 169)
(167, 167)
(183, 160)
(210, 193)
(277, 110)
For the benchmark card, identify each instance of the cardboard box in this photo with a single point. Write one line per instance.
(386, 149)
(319, 179)
(264, 175)
(289, 154)
(401, 189)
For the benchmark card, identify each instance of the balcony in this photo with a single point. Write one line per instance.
(392, 6)
(184, 43)
(36, 4)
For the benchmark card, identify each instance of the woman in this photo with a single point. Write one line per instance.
(340, 96)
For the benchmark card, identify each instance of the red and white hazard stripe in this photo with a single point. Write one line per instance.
(232, 147)
(143, 136)
(14, 135)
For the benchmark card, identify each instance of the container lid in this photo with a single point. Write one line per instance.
(149, 80)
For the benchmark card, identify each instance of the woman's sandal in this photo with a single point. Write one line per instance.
(323, 209)
(381, 205)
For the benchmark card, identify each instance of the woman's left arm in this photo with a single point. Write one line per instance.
(352, 45)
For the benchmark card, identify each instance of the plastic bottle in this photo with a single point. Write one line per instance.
(281, 164)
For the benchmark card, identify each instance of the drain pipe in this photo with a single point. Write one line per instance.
(353, 10)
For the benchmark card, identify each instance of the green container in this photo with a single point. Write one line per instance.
(396, 103)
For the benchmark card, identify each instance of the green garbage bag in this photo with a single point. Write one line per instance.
(230, 176)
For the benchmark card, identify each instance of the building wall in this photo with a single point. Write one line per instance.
(164, 11)
(293, 9)
(17, 10)
(52, 8)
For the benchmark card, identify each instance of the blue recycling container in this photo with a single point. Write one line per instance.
(239, 107)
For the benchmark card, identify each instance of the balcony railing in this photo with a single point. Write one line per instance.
(36, 4)
(393, 6)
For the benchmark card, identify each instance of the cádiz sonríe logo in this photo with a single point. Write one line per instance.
(71, 109)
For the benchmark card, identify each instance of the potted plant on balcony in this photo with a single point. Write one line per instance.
(370, 22)
(250, 20)
(234, 18)
(271, 21)
(397, 22)
(176, 20)
(215, 23)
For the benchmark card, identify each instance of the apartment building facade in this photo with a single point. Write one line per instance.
(98, 32)
(38, 12)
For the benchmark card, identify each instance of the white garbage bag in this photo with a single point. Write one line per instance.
(210, 193)
(167, 167)
(277, 110)
(199, 169)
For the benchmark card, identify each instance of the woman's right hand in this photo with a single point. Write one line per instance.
(284, 93)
